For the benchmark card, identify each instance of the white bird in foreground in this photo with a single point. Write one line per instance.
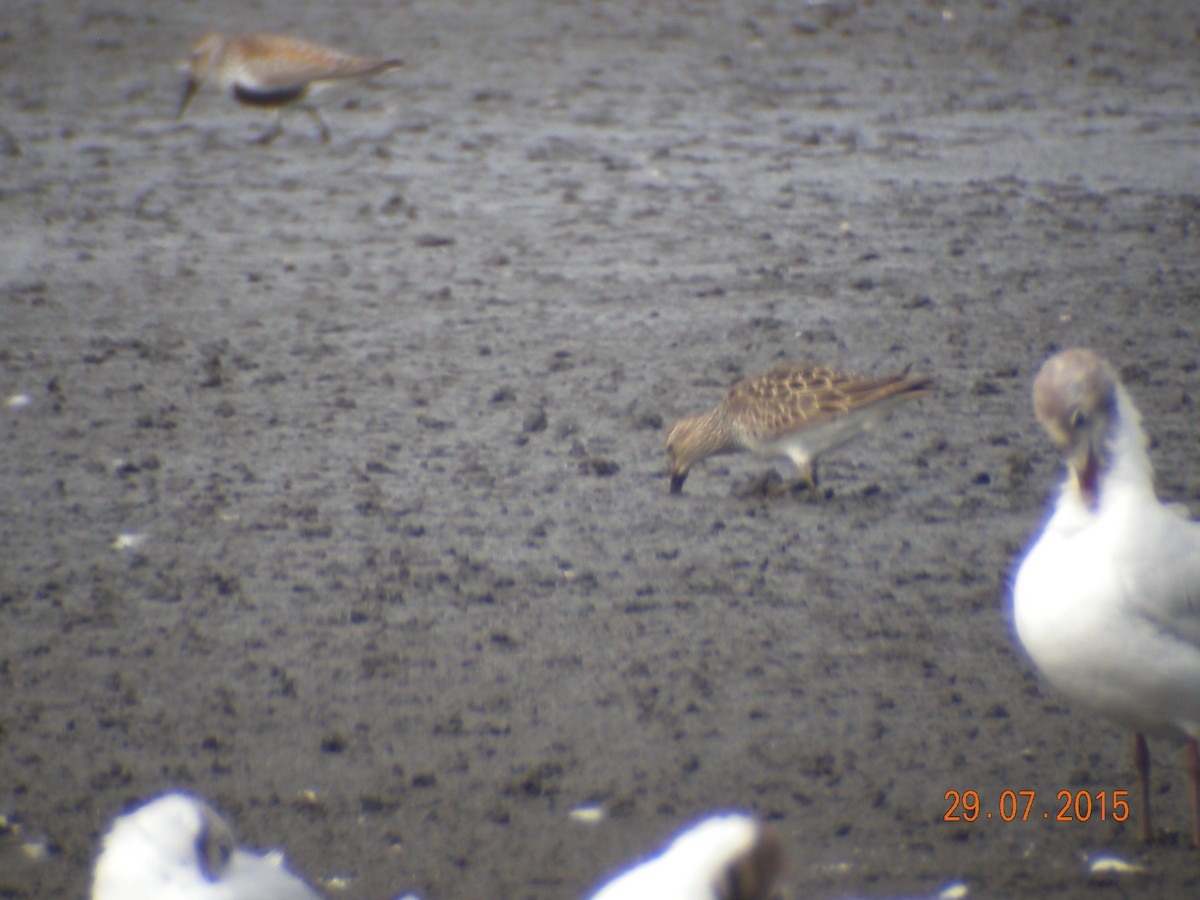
(177, 847)
(1107, 602)
(726, 857)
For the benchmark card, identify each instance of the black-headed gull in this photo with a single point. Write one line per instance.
(1107, 602)
(724, 857)
(176, 847)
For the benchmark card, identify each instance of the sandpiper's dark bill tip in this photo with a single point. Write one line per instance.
(189, 91)
(677, 483)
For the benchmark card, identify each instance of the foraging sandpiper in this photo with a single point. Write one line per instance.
(274, 72)
(799, 412)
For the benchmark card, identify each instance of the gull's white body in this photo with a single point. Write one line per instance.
(1107, 602)
(177, 848)
(693, 866)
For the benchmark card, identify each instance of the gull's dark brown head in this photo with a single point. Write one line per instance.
(752, 875)
(214, 844)
(1075, 400)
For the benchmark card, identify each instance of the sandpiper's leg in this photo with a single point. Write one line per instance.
(808, 472)
(1141, 761)
(1193, 753)
(276, 129)
(315, 113)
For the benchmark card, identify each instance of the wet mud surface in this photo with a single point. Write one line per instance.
(381, 423)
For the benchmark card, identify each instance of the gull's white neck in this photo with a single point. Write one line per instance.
(1127, 473)
(1129, 463)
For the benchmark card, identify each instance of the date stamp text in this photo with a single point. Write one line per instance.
(1014, 806)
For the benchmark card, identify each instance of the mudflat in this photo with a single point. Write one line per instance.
(332, 484)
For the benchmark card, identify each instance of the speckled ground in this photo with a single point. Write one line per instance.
(385, 418)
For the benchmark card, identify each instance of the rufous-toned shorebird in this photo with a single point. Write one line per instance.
(724, 857)
(274, 72)
(1107, 601)
(799, 412)
(176, 847)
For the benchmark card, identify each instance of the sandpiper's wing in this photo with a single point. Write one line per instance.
(274, 63)
(787, 398)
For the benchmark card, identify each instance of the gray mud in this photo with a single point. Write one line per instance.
(387, 417)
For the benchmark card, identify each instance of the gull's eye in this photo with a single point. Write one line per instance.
(1076, 419)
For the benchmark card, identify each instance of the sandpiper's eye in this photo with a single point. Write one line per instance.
(1076, 419)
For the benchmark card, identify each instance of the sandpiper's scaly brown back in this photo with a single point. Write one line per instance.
(795, 411)
(273, 71)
